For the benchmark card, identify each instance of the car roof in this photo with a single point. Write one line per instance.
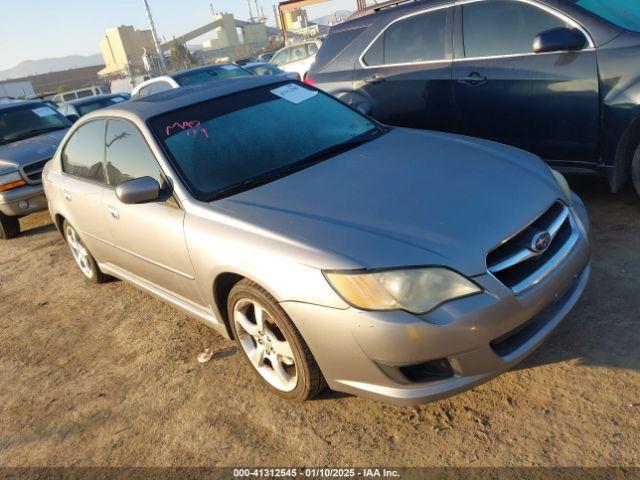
(189, 71)
(15, 103)
(257, 64)
(143, 108)
(93, 98)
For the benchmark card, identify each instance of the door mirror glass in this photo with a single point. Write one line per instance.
(139, 190)
(559, 40)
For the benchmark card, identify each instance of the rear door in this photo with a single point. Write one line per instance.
(406, 71)
(148, 238)
(546, 103)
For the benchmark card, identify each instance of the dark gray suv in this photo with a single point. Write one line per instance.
(559, 78)
(30, 132)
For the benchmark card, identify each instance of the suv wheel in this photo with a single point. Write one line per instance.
(9, 226)
(272, 344)
(635, 170)
(81, 255)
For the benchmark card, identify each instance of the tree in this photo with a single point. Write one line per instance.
(180, 56)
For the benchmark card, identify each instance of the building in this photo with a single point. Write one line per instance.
(295, 19)
(255, 34)
(225, 35)
(21, 89)
(123, 49)
(55, 82)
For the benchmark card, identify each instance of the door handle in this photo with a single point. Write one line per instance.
(375, 78)
(474, 79)
(113, 211)
(66, 195)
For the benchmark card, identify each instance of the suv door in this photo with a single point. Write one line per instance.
(82, 184)
(148, 238)
(546, 103)
(406, 71)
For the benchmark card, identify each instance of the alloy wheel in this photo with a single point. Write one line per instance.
(79, 252)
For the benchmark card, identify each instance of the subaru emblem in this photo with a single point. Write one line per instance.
(540, 242)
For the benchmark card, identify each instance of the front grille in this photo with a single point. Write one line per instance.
(518, 265)
(33, 171)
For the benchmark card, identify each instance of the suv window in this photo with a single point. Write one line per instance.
(312, 48)
(298, 52)
(420, 38)
(128, 155)
(84, 93)
(69, 96)
(504, 27)
(335, 43)
(154, 88)
(83, 154)
(281, 58)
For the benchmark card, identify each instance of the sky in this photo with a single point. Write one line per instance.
(35, 29)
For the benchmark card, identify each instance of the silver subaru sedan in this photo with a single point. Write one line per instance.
(396, 264)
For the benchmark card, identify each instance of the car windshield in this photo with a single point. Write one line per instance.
(622, 13)
(211, 74)
(98, 104)
(24, 122)
(234, 143)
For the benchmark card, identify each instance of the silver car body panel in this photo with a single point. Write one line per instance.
(408, 198)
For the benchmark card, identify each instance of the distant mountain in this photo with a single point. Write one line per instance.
(46, 65)
(335, 17)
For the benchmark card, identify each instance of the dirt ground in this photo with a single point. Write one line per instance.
(107, 376)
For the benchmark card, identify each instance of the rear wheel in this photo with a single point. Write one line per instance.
(9, 226)
(635, 170)
(272, 344)
(82, 256)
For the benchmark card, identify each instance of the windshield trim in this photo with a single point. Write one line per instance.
(212, 196)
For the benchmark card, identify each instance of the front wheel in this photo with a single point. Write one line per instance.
(272, 344)
(82, 256)
(9, 226)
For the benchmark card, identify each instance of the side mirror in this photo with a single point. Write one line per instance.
(559, 40)
(365, 107)
(72, 117)
(139, 190)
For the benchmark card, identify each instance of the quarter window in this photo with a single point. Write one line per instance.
(84, 152)
(420, 38)
(128, 155)
(504, 27)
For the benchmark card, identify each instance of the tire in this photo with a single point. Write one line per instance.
(296, 363)
(9, 227)
(82, 256)
(635, 170)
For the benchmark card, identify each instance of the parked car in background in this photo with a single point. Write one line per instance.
(448, 261)
(265, 57)
(77, 108)
(80, 93)
(30, 132)
(261, 68)
(193, 76)
(297, 58)
(558, 78)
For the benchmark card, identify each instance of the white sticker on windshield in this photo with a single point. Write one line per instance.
(229, 67)
(44, 111)
(117, 99)
(294, 93)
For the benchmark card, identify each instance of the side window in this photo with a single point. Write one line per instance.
(159, 87)
(312, 48)
(85, 93)
(69, 96)
(504, 27)
(128, 155)
(299, 53)
(420, 38)
(281, 58)
(83, 154)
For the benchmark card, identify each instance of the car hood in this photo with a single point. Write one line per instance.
(407, 198)
(30, 150)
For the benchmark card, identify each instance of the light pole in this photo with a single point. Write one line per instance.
(154, 35)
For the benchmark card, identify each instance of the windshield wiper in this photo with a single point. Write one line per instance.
(312, 159)
(33, 133)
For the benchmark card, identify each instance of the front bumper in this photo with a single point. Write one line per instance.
(479, 336)
(23, 201)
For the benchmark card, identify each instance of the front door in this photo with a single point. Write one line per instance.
(406, 72)
(148, 238)
(545, 103)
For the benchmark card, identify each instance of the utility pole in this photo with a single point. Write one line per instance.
(154, 35)
(250, 11)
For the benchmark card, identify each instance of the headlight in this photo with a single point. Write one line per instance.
(11, 180)
(563, 184)
(416, 290)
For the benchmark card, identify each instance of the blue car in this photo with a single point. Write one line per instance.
(559, 78)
